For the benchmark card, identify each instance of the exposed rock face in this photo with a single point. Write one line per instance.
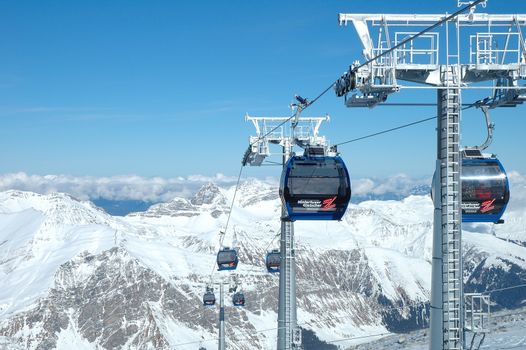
(209, 198)
(107, 297)
(112, 301)
(402, 315)
(208, 194)
(177, 207)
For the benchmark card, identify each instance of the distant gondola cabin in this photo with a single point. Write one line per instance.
(209, 299)
(238, 299)
(273, 261)
(227, 259)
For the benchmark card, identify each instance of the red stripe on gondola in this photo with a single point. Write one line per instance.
(487, 206)
(329, 203)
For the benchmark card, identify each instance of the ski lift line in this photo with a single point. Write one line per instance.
(323, 93)
(232, 204)
(268, 330)
(382, 334)
(271, 241)
(394, 104)
(494, 87)
(347, 316)
(216, 339)
(428, 29)
(505, 288)
(273, 163)
(408, 104)
(223, 233)
(386, 131)
(406, 306)
(520, 346)
(358, 337)
(398, 127)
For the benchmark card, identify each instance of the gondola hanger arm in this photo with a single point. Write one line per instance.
(300, 106)
(489, 127)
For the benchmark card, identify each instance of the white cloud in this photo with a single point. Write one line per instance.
(402, 184)
(363, 186)
(158, 189)
(517, 188)
(155, 189)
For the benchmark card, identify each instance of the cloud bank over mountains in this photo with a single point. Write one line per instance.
(122, 187)
(401, 183)
(159, 189)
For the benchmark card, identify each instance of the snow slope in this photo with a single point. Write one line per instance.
(72, 274)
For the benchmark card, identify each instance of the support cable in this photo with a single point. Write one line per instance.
(411, 104)
(386, 131)
(223, 233)
(232, 205)
(323, 93)
(503, 289)
(271, 241)
(399, 127)
(350, 316)
(333, 318)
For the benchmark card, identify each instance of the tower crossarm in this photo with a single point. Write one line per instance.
(278, 130)
(481, 19)
(409, 48)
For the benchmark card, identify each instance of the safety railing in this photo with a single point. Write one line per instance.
(495, 48)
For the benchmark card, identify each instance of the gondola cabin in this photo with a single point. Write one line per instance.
(232, 287)
(227, 259)
(209, 299)
(238, 299)
(485, 187)
(315, 187)
(273, 261)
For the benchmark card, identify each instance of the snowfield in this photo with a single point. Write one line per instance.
(62, 259)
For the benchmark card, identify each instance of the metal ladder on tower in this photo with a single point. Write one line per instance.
(451, 203)
(286, 314)
(293, 331)
(288, 289)
(287, 303)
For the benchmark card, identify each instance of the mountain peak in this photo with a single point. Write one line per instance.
(208, 194)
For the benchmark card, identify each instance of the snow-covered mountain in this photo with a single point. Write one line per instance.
(74, 276)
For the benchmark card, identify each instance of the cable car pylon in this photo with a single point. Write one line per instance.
(277, 131)
(209, 300)
(408, 49)
(221, 343)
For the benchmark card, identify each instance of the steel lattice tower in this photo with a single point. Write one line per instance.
(278, 131)
(408, 49)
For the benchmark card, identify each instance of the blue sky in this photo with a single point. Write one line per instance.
(161, 88)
